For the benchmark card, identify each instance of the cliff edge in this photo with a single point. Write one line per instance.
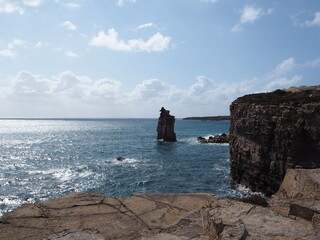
(273, 132)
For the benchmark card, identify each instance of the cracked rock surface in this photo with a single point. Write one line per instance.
(197, 216)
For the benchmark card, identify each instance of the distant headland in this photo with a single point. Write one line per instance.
(213, 118)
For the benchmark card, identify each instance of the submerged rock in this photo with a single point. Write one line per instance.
(273, 132)
(165, 127)
(120, 159)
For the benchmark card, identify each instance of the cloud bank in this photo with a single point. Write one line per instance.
(72, 95)
(155, 43)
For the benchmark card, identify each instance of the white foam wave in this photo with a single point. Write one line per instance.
(12, 202)
(242, 191)
(126, 160)
(189, 140)
(64, 174)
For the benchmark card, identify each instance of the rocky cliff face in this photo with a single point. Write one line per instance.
(273, 132)
(165, 127)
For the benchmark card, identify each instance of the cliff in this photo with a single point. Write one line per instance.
(273, 132)
(165, 127)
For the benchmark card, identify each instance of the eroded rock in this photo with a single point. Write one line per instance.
(165, 127)
(273, 132)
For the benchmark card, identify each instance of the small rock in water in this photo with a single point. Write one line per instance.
(202, 140)
(223, 138)
(121, 159)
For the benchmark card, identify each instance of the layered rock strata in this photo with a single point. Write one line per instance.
(273, 132)
(165, 127)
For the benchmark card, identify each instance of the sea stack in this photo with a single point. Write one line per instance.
(165, 127)
(273, 132)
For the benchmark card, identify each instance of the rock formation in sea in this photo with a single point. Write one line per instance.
(273, 132)
(221, 138)
(165, 127)
(171, 216)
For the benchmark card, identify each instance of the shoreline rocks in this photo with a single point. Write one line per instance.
(168, 216)
(273, 132)
(222, 138)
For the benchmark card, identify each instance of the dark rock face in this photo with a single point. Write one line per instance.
(222, 138)
(273, 132)
(165, 127)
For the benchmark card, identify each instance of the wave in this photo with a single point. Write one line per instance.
(64, 174)
(12, 202)
(241, 191)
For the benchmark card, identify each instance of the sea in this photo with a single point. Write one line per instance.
(43, 159)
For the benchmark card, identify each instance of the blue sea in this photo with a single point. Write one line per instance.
(44, 159)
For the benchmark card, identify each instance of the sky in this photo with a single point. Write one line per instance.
(129, 58)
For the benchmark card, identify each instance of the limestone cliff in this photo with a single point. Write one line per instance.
(273, 132)
(165, 127)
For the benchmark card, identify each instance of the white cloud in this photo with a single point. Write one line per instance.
(157, 42)
(283, 68)
(32, 3)
(249, 14)
(202, 85)
(151, 89)
(314, 63)
(70, 4)
(210, 1)
(16, 42)
(146, 25)
(105, 88)
(11, 6)
(282, 83)
(8, 53)
(70, 54)
(315, 21)
(26, 83)
(38, 45)
(73, 5)
(120, 3)
(69, 25)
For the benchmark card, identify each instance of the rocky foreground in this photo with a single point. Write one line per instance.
(290, 214)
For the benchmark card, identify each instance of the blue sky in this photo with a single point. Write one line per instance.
(128, 58)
